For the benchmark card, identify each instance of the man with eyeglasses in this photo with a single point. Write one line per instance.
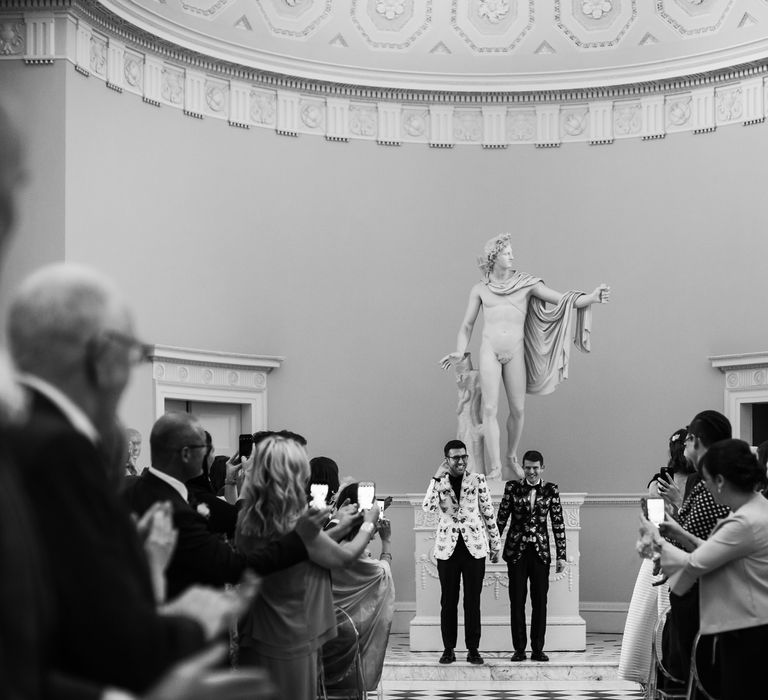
(177, 449)
(466, 535)
(71, 336)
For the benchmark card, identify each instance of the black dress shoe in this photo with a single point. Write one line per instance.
(448, 656)
(518, 656)
(473, 656)
(539, 656)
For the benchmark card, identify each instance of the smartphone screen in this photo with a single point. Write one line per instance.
(381, 505)
(656, 510)
(366, 491)
(245, 445)
(318, 492)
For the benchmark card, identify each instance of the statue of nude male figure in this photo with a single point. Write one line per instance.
(504, 295)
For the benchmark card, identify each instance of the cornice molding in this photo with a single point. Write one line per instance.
(104, 46)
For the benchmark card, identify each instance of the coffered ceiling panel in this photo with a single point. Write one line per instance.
(464, 45)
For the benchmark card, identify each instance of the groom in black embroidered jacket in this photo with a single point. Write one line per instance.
(527, 503)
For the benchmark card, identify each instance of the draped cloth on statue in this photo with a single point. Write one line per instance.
(548, 341)
(547, 334)
(366, 592)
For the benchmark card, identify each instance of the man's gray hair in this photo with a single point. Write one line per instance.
(55, 312)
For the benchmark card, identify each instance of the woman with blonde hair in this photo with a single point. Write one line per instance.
(294, 614)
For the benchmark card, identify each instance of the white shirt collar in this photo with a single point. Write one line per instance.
(72, 412)
(540, 481)
(171, 481)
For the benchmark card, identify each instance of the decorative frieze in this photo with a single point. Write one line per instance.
(292, 106)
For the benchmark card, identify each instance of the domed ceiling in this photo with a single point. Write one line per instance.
(464, 45)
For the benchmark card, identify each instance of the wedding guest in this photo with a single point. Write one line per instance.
(650, 597)
(731, 567)
(293, 616)
(177, 444)
(697, 513)
(71, 335)
(365, 590)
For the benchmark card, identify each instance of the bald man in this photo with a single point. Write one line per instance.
(177, 445)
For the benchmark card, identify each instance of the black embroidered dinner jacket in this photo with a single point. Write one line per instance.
(529, 525)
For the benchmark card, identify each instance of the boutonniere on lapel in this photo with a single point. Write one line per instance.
(204, 510)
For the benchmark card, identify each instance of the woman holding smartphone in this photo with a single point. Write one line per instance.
(293, 616)
(365, 590)
(649, 600)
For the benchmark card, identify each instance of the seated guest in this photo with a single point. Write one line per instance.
(365, 590)
(177, 445)
(293, 615)
(731, 567)
(71, 335)
(221, 515)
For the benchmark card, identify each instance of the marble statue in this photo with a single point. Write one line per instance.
(525, 344)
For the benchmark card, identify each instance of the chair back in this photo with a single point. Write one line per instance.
(703, 681)
(660, 680)
(340, 662)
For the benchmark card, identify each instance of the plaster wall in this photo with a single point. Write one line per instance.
(354, 261)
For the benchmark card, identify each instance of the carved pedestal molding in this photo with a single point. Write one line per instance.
(127, 58)
(746, 383)
(213, 377)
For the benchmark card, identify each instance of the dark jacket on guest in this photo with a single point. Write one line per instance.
(200, 556)
(106, 628)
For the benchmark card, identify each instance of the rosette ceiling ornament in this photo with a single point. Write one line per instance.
(464, 45)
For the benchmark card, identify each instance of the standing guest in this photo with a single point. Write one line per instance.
(177, 444)
(526, 550)
(134, 451)
(220, 514)
(731, 567)
(323, 470)
(293, 615)
(650, 597)
(365, 590)
(697, 512)
(466, 534)
(71, 335)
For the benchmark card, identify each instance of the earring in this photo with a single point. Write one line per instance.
(719, 488)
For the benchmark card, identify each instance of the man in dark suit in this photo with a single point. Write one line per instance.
(178, 447)
(71, 335)
(528, 502)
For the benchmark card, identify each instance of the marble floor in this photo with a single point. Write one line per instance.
(588, 675)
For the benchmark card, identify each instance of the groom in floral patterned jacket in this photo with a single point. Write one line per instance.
(466, 535)
(528, 502)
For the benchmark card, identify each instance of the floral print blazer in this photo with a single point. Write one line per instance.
(472, 516)
(529, 525)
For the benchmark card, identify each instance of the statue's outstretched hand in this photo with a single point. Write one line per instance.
(602, 294)
(451, 359)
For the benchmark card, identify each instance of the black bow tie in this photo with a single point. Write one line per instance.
(530, 488)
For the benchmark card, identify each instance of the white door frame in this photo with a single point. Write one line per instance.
(190, 374)
(746, 383)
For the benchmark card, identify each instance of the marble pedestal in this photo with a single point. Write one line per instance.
(566, 630)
